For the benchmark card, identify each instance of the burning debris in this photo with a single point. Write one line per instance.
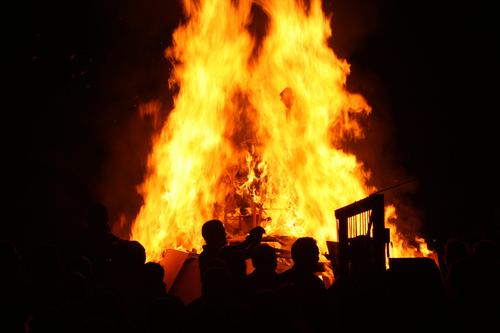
(255, 136)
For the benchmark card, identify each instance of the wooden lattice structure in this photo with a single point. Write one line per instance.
(363, 240)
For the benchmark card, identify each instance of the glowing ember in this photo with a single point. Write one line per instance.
(255, 136)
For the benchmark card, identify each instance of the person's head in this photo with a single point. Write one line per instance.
(255, 235)
(305, 253)
(154, 274)
(153, 271)
(213, 233)
(128, 255)
(264, 257)
(137, 253)
(455, 251)
(97, 217)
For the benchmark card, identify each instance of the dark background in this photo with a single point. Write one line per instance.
(78, 71)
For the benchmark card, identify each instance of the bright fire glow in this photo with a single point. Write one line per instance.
(400, 246)
(256, 131)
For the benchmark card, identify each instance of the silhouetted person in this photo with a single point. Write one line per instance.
(481, 290)
(219, 309)
(262, 285)
(46, 274)
(303, 290)
(456, 273)
(10, 262)
(361, 288)
(472, 284)
(234, 255)
(214, 234)
(305, 256)
(164, 312)
(83, 265)
(76, 302)
(415, 294)
(486, 260)
(455, 252)
(46, 289)
(97, 241)
(12, 288)
(264, 277)
(126, 282)
(154, 284)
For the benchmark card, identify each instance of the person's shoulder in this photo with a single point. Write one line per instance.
(232, 250)
(319, 283)
(285, 275)
(173, 299)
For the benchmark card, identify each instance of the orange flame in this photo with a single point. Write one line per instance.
(400, 246)
(256, 129)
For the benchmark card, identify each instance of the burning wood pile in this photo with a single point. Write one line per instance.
(257, 132)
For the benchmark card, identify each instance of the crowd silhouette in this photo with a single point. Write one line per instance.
(102, 283)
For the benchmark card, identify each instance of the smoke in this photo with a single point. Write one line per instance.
(359, 29)
(134, 100)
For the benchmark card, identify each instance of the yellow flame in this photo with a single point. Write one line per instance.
(400, 245)
(256, 129)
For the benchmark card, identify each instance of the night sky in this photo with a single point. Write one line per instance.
(72, 133)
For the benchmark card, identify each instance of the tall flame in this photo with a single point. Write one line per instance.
(255, 128)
